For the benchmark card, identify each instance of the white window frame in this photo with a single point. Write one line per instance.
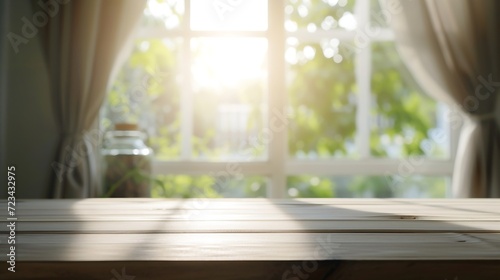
(279, 165)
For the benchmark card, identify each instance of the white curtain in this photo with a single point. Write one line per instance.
(452, 49)
(82, 42)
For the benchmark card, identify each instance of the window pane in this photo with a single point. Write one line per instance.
(229, 15)
(319, 15)
(206, 186)
(147, 92)
(404, 121)
(163, 14)
(229, 84)
(322, 96)
(367, 186)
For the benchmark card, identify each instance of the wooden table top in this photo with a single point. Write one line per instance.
(254, 229)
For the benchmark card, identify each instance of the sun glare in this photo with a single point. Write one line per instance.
(227, 62)
(229, 15)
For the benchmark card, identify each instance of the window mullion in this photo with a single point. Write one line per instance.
(186, 99)
(363, 74)
(276, 97)
(250, 168)
(403, 168)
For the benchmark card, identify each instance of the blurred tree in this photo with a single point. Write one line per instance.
(322, 94)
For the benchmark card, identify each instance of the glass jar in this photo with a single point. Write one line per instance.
(126, 162)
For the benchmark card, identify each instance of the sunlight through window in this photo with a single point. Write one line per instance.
(228, 62)
(210, 81)
(229, 15)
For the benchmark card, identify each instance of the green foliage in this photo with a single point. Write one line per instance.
(147, 91)
(170, 17)
(366, 186)
(310, 186)
(184, 187)
(322, 97)
(392, 186)
(316, 11)
(407, 112)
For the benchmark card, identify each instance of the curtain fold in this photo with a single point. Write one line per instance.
(452, 49)
(82, 42)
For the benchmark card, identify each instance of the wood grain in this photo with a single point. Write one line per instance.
(256, 229)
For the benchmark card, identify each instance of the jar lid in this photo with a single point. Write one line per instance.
(126, 126)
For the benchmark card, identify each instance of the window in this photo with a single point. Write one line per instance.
(290, 98)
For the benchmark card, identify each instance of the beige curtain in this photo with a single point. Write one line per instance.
(82, 42)
(452, 49)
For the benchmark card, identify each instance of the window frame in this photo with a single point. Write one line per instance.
(279, 165)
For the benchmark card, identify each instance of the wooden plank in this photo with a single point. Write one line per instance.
(219, 210)
(470, 211)
(111, 203)
(327, 201)
(255, 229)
(488, 212)
(256, 246)
(253, 226)
(311, 215)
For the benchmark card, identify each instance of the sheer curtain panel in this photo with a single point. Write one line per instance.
(82, 41)
(452, 49)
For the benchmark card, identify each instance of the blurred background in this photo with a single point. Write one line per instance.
(202, 96)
